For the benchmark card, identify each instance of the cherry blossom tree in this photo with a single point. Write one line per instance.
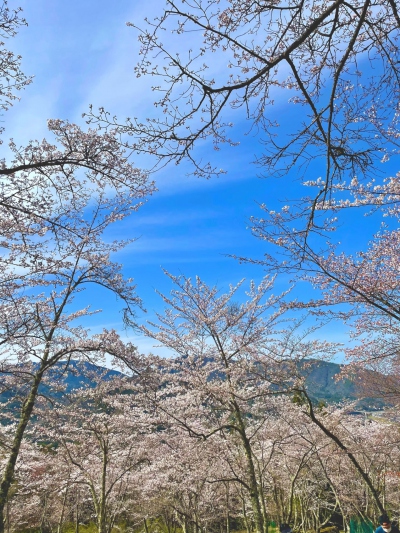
(231, 358)
(309, 478)
(58, 198)
(181, 482)
(100, 434)
(42, 299)
(12, 78)
(333, 62)
(359, 289)
(196, 484)
(40, 495)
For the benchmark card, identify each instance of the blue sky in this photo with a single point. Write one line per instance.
(81, 53)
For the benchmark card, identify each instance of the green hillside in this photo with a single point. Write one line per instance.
(323, 383)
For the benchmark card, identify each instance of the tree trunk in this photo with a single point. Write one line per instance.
(8, 516)
(61, 520)
(254, 488)
(42, 521)
(26, 412)
(277, 500)
(263, 508)
(336, 439)
(102, 504)
(254, 496)
(246, 520)
(77, 513)
(228, 518)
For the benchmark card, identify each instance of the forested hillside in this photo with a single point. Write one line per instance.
(322, 380)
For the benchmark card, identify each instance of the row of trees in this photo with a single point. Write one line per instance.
(223, 432)
(58, 200)
(116, 457)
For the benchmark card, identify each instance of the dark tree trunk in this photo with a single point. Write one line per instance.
(26, 412)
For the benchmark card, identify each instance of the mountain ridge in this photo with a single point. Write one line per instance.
(321, 381)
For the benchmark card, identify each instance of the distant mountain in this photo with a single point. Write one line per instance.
(321, 381)
(78, 374)
(323, 384)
